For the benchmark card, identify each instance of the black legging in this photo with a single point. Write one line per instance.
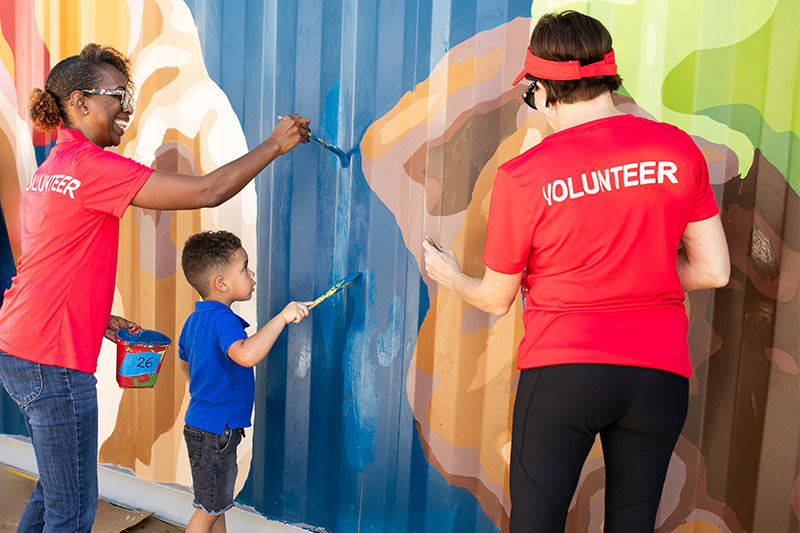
(639, 413)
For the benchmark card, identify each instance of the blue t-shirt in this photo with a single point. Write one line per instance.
(221, 391)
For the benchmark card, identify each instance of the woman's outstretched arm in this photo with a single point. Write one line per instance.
(168, 190)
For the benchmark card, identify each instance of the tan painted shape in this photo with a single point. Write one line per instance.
(428, 100)
(783, 361)
(10, 194)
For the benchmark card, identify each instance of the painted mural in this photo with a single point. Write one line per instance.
(390, 409)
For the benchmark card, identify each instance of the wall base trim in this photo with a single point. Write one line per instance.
(170, 503)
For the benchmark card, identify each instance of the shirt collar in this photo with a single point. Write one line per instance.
(210, 305)
(69, 134)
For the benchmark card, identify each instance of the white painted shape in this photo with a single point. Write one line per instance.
(249, 203)
(7, 87)
(651, 44)
(181, 18)
(109, 393)
(153, 57)
(21, 136)
(226, 139)
(151, 136)
(135, 10)
(303, 363)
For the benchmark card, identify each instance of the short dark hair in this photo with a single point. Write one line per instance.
(48, 108)
(570, 36)
(205, 255)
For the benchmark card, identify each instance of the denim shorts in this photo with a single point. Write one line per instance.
(213, 461)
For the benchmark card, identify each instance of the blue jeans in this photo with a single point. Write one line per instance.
(60, 410)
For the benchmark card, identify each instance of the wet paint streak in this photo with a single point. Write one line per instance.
(361, 397)
(390, 339)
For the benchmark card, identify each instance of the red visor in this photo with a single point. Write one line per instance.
(566, 70)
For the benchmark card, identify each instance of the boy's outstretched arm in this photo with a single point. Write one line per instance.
(252, 350)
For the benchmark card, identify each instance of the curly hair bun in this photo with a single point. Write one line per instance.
(43, 110)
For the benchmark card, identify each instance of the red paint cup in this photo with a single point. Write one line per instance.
(140, 353)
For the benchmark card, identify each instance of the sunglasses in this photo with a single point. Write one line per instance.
(528, 97)
(124, 96)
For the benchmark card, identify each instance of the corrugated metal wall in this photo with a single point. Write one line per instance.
(389, 409)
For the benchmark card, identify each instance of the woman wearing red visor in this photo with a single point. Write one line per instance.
(589, 222)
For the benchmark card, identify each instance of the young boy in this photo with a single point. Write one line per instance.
(217, 356)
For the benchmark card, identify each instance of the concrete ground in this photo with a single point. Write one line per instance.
(15, 487)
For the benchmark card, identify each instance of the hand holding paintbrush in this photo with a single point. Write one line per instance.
(286, 133)
(344, 159)
(441, 264)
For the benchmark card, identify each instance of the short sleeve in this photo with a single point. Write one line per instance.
(109, 181)
(509, 229)
(705, 205)
(181, 351)
(229, 328)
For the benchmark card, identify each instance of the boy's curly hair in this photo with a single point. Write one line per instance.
(48, 108)
(205, 255)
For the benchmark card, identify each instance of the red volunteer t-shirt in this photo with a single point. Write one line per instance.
(59, 303)
(594, 215)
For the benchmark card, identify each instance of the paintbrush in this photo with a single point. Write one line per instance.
(430, 241)
(344, 159)
(333, 290)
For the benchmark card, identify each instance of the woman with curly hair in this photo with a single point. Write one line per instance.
(589, 222)
(58, 308)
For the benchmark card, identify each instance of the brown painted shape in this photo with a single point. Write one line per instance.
(449, 166)
(9, 191)
(757, 312)
(685, 489)
(152, 24)
(159, 303)
(487, 500)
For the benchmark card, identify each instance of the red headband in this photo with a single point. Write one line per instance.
(566, 70)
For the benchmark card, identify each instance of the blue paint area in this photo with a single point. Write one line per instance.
(360, 386)
(11, 420)
(337, 448)
(329, 126)
(147, 337)
(41, 152)
(7, 269)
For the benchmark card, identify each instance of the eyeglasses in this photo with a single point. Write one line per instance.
(528, 97)
(124, 96)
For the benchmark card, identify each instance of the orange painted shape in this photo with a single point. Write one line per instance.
(6, 55)
(67, 26)
(427, 101)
